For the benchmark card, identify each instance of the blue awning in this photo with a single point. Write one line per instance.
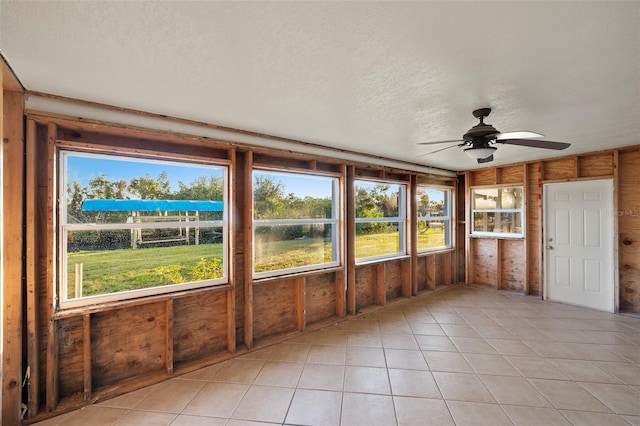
(151, 205)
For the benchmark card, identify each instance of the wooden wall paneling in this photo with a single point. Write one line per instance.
(498, 251)
(560, 169)
(119, 353)
(168, 339)
(484, 261)
(72, 367)
(482, 177)
(301, 310)
(52, 341)
(86, 357)
(274, 307)
(629, 231)
(446, 267)
(422, 273)
(11, 126)
(247, 232)
(365, 288)
(537, 249)
(412, 287)
(513, 263)
(512, 174)
(31, 258)
(394, 275)
(431, 272)
(596, 165)
(350, 230)
(200, 325)
(321, 295)
(381, 289)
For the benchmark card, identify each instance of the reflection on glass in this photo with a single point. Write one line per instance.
(377, 239)
(497, 210)
(103, 262)
(285, 247)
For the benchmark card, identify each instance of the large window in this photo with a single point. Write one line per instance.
(434, 218)
(497, 211)
(132, 227)
(295, 222)
(380, 220)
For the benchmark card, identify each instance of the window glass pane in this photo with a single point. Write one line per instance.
(376, 199)
(498, 210)
(292, 196)
(433, 233)
(101, 189)
(286, 209)
(434, 224)
(285, 247)
(103, 261)
(432, 202)
(484, 199)
(133, 224)
(377, 239)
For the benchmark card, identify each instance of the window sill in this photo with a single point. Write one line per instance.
(287, 276)
(382, 260)
(498, 236)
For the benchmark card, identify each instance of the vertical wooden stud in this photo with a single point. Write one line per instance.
(350, 229)
(248, 250)
(407, 266)
(11, 126)
(231, 251)
(169, 336)
(616, 231)
(468, 254)
(31, 258)
(341, 307)
(413, 237)
(525, 225)
(446, 268)
(52, 330)
(86, 356)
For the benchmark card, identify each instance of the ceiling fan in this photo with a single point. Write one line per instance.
(479, 140)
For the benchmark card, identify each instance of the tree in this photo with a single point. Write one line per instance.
(147, 188)
(268, 198)
(201, 188)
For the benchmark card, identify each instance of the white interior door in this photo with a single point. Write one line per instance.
(578, 243)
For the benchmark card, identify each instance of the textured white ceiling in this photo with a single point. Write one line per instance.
(372, 77)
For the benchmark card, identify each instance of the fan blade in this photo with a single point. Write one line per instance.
(533, 143)
(437, 142)
(486, 159)
(438, 150)
(515, 135)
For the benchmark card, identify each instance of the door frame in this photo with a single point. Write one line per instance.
(614, 242)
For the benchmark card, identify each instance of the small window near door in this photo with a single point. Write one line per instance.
(497, 211)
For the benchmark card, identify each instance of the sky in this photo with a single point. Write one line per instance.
(83, 168)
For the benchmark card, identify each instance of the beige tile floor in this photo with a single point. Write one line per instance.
(462, 355)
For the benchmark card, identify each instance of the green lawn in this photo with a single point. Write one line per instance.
(112, 271)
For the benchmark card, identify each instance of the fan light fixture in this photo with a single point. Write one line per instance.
(479, 153)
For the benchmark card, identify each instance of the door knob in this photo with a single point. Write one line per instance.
(549, 247)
